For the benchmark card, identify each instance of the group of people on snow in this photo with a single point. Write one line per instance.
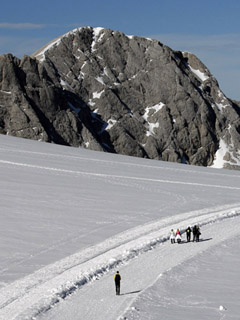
(174, 237)
(177, 236)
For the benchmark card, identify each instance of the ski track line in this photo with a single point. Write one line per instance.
(39, 291)
(103, 175)
(113, 162)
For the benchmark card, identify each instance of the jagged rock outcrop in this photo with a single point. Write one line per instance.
(103, 90)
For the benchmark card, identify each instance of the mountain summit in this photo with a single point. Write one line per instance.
(103, 90)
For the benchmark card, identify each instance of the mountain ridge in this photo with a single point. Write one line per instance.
(103, 90)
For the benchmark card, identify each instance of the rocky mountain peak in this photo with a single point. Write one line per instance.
(103, 90)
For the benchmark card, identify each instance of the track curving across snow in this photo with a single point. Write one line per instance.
(37, 293)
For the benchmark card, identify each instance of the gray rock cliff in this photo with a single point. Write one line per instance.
(106, 91)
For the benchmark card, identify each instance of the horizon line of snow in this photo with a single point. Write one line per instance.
(38, 292)
(117, 176)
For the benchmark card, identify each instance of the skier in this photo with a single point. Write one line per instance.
(178, 236)
(172, 236)
(194, 233)
(117, 279)
(188, 232)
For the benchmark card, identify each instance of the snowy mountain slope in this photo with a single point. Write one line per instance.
(64, 208)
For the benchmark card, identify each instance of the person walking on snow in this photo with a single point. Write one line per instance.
(178, 236)
(117, 279)
(188, 232)
(194, 233)
(172, 236)
(198, 233)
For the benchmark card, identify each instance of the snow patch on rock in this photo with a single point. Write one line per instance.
(224, 156)
(150, 111)
(201, 75)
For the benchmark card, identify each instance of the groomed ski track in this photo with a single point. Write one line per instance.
(141, 254)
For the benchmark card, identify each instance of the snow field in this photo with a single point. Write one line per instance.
(97, 300)
(55, 241)
(204, 287)
(38, 292)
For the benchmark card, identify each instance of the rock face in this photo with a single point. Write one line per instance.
(103, 90)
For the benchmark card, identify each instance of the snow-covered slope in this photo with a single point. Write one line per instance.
(203, 287)
(70, 215)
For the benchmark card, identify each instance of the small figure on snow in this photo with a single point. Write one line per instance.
(178, 236)
(117, 279)
(172, 236)
(198, 234)
(194, 233)
(188, 232)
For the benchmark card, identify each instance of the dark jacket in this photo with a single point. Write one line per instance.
(195, 229)
(117, 278)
